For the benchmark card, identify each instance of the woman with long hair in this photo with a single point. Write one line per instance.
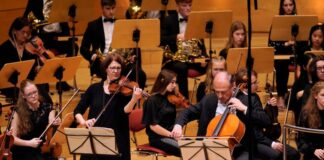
(31, 118)
(216, 64)
(160, 114)
(236, 38)
(312, 116)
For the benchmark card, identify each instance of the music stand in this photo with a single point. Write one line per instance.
(58, 69)
(193, 148)
(316, 53)
(149, 5)
(92, 141)
(292, 27)
(208, 24)
(263, 59)
(13, 73)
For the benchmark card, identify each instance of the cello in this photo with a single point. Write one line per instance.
(227, 125)
(7, 141)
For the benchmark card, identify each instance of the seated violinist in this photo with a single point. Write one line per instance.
(115, 113)
(215, 104)
(268, 147)
(160, 113)
(30, 121)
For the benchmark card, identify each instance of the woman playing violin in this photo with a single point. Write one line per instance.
(116, 114)
(30, 120)
(159, 113)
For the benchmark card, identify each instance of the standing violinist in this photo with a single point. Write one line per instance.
(30, 121)
(116, 114)
(160, 114)
(215, 104)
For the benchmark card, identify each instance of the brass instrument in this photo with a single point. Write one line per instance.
(187, 50)
(135, 11)
(46, 11)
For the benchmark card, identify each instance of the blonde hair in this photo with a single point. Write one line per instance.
(209, 73)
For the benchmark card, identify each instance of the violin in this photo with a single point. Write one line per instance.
(227, 125)
(124, 86)
(36, 46)
(54, 149)
(7, 141)
(178, 99)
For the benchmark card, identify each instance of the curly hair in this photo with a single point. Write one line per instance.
(310, 110)
(23, 111)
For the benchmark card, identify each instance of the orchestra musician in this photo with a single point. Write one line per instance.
(215, 104)
(216, 64)
(316, 72)
(14, 50)
(236, 38)
(312, 116)
(287, 7)
(316, 43)
(267, 148)
(172, 30)
(96, 42)
(31, 119)
(37, 12)
(160, 114)
(116, 114)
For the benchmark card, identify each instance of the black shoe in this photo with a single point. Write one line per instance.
(64, 86)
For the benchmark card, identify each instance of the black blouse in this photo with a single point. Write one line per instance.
(158, 110)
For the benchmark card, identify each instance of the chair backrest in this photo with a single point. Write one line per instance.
(135, 120)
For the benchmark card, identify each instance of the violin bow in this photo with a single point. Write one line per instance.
(59, 113)
(111, 98)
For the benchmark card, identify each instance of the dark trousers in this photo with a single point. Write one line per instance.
(282, 75)
(266, 152)
(168, 145)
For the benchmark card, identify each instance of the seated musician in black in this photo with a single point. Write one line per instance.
(14, 50)
(267, 147)
(49, 33)
(215, 104)
(172, 31)
(30, 121)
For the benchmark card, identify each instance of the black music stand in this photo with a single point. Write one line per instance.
(208, 24)
(193, 148)
(292, 27)
(149, 5)
(58, 70)
(263, 59)
(92, 141)
(13, 73)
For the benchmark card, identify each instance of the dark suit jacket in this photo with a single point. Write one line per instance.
(35, 6)
(205, 110)
(169, 30)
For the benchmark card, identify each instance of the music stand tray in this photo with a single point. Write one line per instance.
(46, 73)
(193, 148)
(197, 24)
(263, 59)
(317, 53)
(93, 141)
(282, 25)
(23, 68)
(124, 29)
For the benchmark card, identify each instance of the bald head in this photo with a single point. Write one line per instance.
(223, 86)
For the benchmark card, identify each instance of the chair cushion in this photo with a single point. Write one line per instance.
(147, 147)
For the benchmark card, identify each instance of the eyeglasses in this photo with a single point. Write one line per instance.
(320, 68)
(31, 94)
(115, 68)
